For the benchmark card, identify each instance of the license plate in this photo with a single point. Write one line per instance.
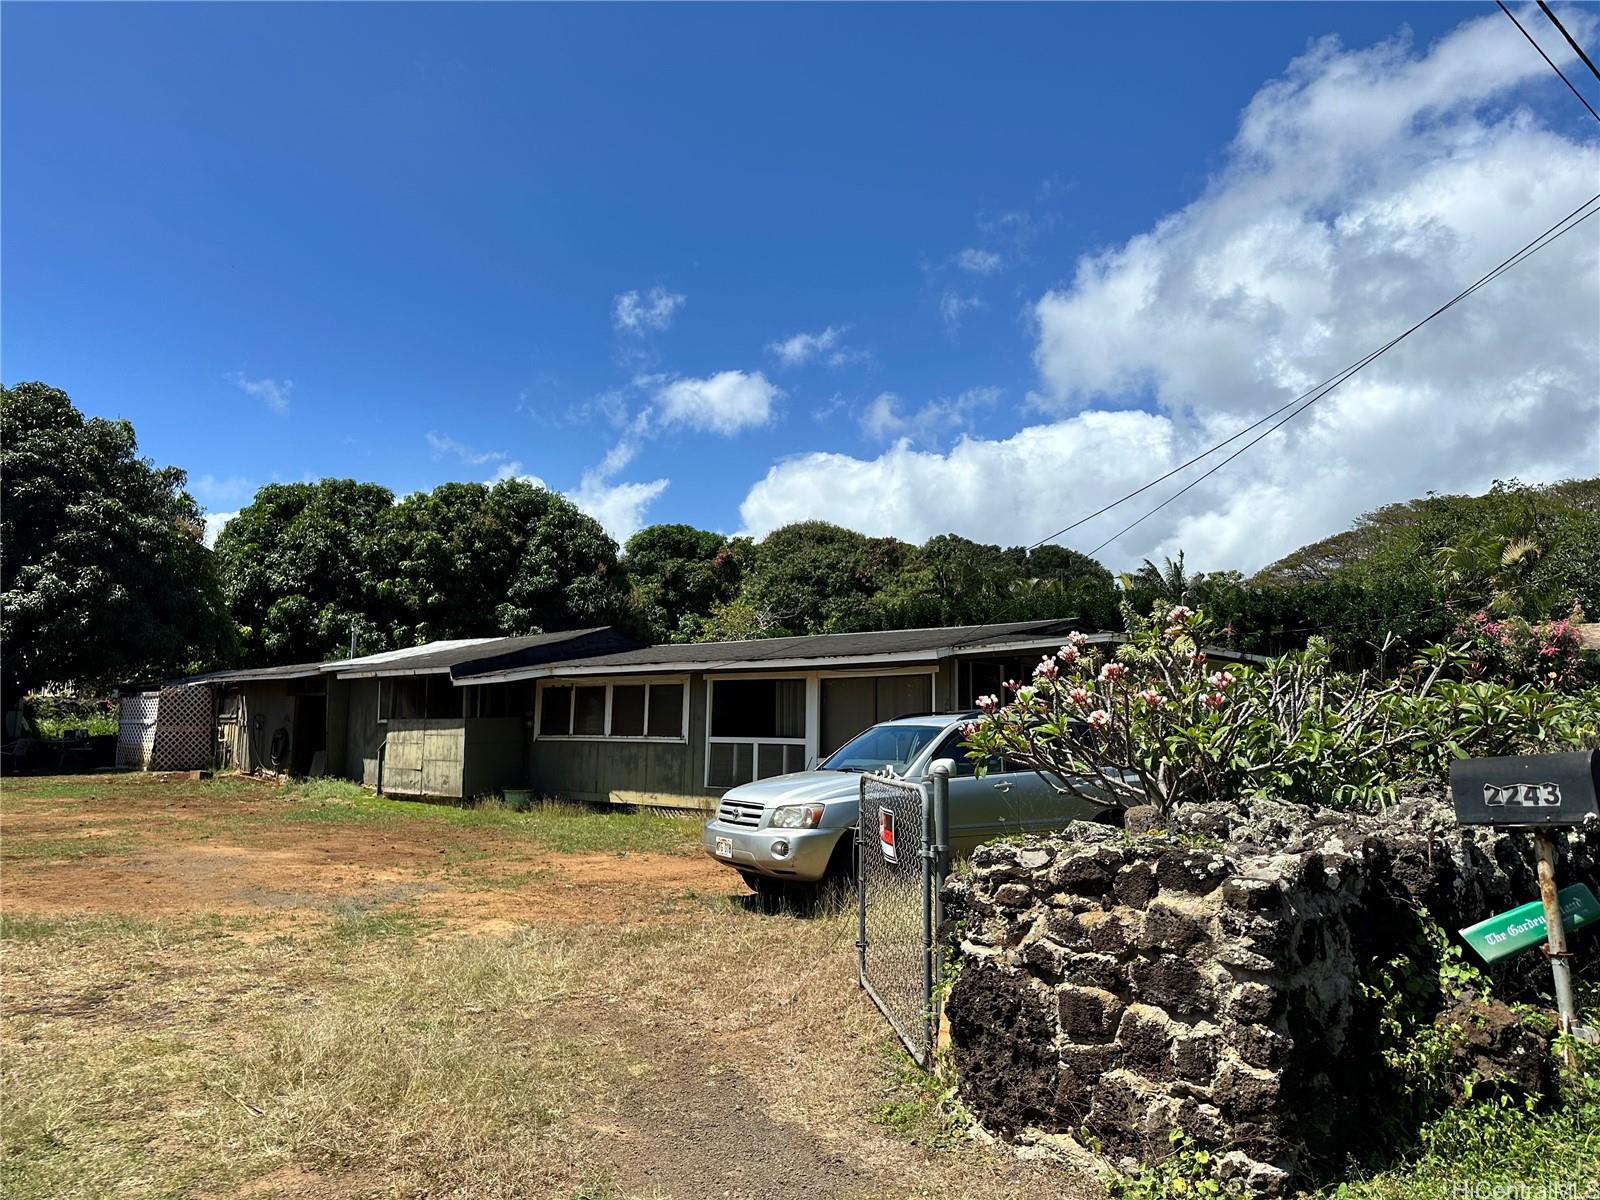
(724, 847)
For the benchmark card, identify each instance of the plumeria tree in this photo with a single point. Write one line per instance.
(1156, 722)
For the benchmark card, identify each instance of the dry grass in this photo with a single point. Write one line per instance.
(383, 1043)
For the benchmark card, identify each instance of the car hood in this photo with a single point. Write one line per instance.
(800, 788)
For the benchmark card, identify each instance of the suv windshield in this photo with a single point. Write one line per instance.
(892, 746)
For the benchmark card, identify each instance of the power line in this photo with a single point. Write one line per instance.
(1548, 59)
(1333, 379)
(1555, 231)
(1571, 41)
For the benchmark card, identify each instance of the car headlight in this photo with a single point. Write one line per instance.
(797, 816)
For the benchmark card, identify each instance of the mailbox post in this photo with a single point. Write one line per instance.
(1540, 793)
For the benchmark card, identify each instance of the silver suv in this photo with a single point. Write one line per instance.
(794, 829)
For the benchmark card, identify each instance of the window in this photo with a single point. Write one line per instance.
(555, 711)
(891, 746)
(666, 710)
(500, 700)
(619, 710)
(953, 749)
(405, 698)
(589, 711)
(758, 708)
(444, 699)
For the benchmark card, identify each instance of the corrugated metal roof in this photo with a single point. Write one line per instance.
(438, 657)
(243, 674)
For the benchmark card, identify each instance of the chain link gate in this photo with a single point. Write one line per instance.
(902, 854)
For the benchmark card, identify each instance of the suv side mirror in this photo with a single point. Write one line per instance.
(942, 766)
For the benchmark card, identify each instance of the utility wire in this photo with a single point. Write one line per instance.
(1571, 41)
(1547, 58)
(1555, 231)
(1303, 396)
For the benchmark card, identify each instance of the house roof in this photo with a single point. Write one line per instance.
(437, 658)
(819, 650)
(244, 674)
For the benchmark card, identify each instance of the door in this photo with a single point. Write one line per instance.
(309, 735)
(1005, 802)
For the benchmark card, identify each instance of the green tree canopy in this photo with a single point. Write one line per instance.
(813, 577)
(301, 567)
(104, 574)
(471, 560)
(679, 575)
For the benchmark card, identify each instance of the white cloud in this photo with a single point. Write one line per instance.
(619, 507)
(953, 306)
(214, 524)
(979, 262)
(271, 392)
(212, 490)
(445, 446)
(931, 424)
(652, 312)
(827, 345)
(1362, 190)
(722, 403)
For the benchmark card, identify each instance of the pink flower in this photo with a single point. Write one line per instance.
(1079, 697)
(1099, 719)
(1197, 659)
(1047, 669)
(1179, 615)
(988, 703)
(970, 729)
(1068, 654)
(1012, 685)
(1076, 640)
(1214, 700)
(1152, 697)
(1549, 651)
(1112, 672)
(1221, 680)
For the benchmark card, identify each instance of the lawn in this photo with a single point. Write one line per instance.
(227, 989)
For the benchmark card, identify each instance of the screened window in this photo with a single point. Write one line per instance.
(666, 710)
(403, 698)
(758, 708)
(619, 710)
(589, 711)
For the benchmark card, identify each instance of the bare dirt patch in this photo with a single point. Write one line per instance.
(254, 992)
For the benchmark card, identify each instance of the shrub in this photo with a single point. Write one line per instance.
(1158, 723)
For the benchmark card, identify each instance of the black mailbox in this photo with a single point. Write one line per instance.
(1528, 789)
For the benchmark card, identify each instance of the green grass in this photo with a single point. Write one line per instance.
(918, 1105)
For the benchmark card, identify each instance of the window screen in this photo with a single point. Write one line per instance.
(758, 708)
(627, 710)
(555, 712)
(444, 698)
(666, 710)
(589, 711)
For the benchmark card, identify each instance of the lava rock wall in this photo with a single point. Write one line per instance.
(1209, 978)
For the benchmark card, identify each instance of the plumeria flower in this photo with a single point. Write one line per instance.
(1068, 654)
(1214, 700)
(1047, 669)
(1221, 680)
(1099, 719)
(1026, 694)
(1179, 615)
(988, 703)
(1112, 672)
(971, 728)
(1076, 640)
(1080, 697)
(1197, 659)
(1152, 697)
(1011, 685)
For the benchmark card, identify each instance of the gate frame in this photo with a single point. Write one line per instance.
(934, 868)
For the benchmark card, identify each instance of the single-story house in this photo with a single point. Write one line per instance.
(591, 714)
(678, 725)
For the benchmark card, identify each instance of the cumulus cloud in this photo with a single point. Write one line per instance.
(826, 346)
(724, 403)
(214, 524)
(650, 313)
(1362, 189)
(274, 393)
(619, 507)
(212, 490)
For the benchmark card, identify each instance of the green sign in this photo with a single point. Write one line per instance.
(1523, 927)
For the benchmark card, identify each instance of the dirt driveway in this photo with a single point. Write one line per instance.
(227, 989)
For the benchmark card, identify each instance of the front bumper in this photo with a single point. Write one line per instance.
(751, 850)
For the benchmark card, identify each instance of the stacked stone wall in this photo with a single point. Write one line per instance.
(1214, 979)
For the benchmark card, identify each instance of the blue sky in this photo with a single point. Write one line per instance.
(739, 265)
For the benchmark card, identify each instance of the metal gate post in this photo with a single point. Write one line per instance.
(929, 950)
(861, 883)
(937, 839)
